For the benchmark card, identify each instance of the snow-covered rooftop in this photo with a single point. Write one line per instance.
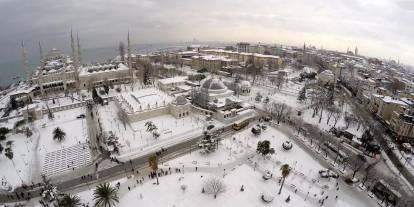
(177, 79)
(140, 100)
(91, 69)
(389, 99)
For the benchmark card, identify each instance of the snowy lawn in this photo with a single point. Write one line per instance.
(325, 125)
(30, 153)
(75, 129)
(134, 138)
(169, 192)
(13, 172)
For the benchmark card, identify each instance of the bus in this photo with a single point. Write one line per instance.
(240, 125)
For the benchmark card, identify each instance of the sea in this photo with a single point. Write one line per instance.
(12, 71)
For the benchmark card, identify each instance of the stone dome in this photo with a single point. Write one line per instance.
(245, 84)
(214, 85)
(180, 100)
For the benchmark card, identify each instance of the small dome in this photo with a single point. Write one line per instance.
(245, 84)
(213, 84)
(180, 100)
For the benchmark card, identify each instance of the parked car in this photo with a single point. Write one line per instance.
(328, 174)
(209, 127)
(81, 116)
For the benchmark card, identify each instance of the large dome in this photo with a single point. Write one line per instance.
(180, 100)
(214, 84)
(245, 84)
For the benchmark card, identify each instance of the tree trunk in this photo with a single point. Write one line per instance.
(336, 121)
(320, 116)
(281, 186)
(353, 175)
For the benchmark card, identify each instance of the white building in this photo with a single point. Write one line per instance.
(96, 75)
(168, 84)
(217, 100)
(151, 102)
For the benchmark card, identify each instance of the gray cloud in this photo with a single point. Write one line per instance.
(379, 27)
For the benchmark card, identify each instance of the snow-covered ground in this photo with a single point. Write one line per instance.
(30, 154)
(234, 163)
(18, 169)
(325, 125)
(134, 138)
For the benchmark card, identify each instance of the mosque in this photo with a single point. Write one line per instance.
(214, 96)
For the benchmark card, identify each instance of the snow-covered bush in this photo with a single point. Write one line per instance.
(214, 186)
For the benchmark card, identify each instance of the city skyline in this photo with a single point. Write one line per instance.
(378, 28)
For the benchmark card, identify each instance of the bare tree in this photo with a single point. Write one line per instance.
(350, 120)
(356, 162)
(279, 80)
(280, 111)
(214, 186)
(336, 116)
(331, 111)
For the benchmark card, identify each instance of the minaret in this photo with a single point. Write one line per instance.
(356, 51)
(79, 49)
(40, 70)
(72, 45)
(41, 53)
(129, 59)
(74, 58)
(26, 67)
(129, 52)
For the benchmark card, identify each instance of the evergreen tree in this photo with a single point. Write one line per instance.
(95, 96)
(263, 147)
(113, 143)
(50, 193)
(208, 143)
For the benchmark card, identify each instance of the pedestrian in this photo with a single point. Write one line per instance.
(196, 169)
(129, 188)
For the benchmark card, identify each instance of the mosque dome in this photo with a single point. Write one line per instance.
(213, 85)
(245, 84)
(180, 100)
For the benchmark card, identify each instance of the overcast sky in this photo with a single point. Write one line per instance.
(381, 28)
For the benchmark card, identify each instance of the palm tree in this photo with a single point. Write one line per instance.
(285, 169)
(8, 152)
(58, 134)
(105, 195)
(151, 127)
(153, 163)
(69, 200)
